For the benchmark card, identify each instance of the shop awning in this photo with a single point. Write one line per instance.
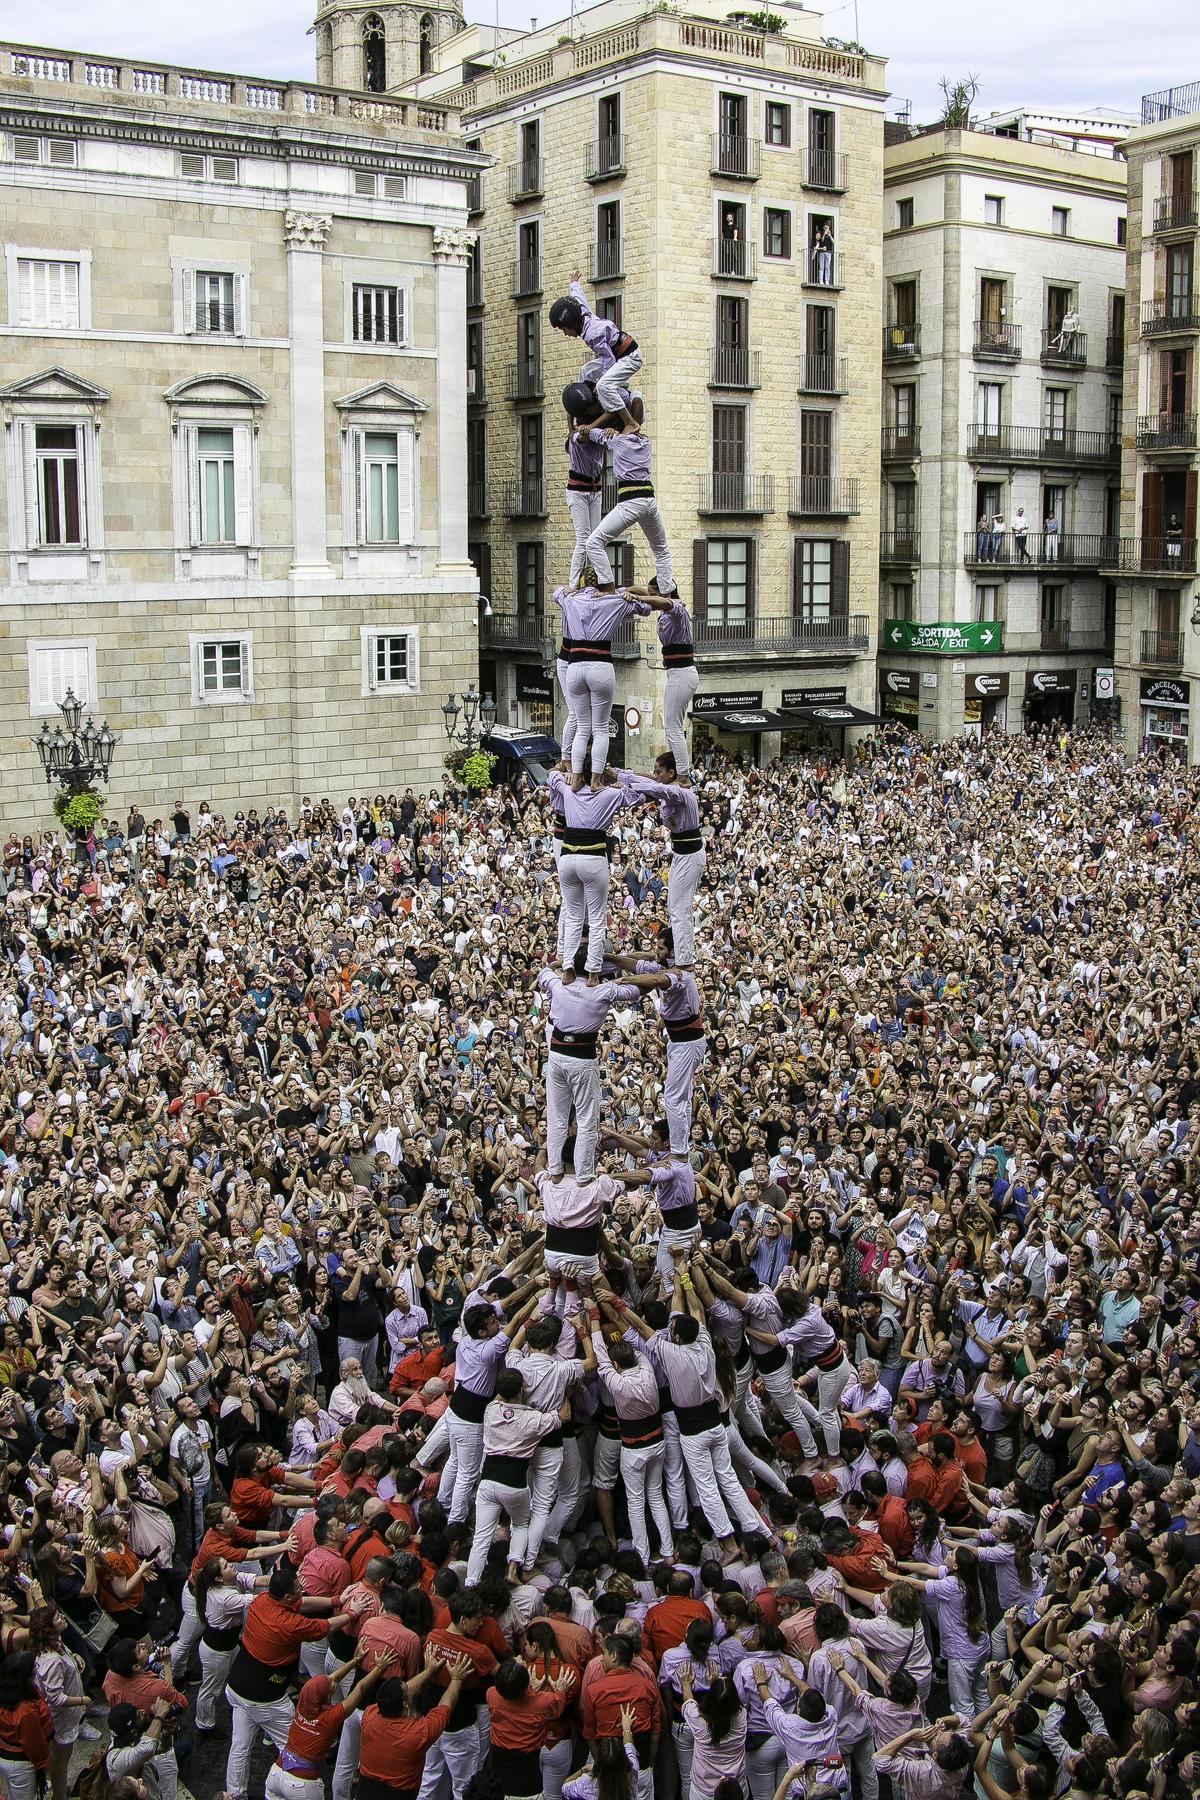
(831, 715)
(748, 719)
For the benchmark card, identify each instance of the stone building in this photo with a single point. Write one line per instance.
(1158, 610)
(233, 391)
(1003, 339)
(686, 168)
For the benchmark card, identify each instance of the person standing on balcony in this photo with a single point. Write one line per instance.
(996, 544)
(1020, 531)
(636, 505)
(1064, 343)
(983, 537)
(822, 253)
(590, 618)
(1051, 536)
(615, 351)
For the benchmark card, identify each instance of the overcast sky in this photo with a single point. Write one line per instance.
(1046, 52)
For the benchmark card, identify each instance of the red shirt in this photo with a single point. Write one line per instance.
(604, 1698)
(27, 1731)
(324, 1573)
(855, 1567)
(922, 1480)
(489, 1633)
(393, 1750)
(449, 1645)
(891, 1522)
(311, 1738)
(415, 1369)
(141, 1690)
(948, 1494)
(386, 1632)
(574, 1642)
(234, 1545)
(274, 1631)
(523, 1724)
(666, 1623)
(358, 1551)
(973, 1458)
(253, 1496)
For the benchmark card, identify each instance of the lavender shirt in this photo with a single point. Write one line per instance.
(678, 807)
(592, 618)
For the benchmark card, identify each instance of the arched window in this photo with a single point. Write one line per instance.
(374, 54)
(426, 44)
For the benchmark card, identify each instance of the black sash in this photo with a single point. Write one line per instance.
(469, 1406)
(582, 1045)
(573, 1240)
(684, 843)
(682, 1218)
(579, 651)
(684, 1031)
(256, 1681)
(679, 656)
(509, 1471)
(635, 490)
(221, 1640)
(636, 1434)
(695, 1419)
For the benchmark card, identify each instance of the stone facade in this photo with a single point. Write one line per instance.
(1158, 598)
(989, 405)
(232, 312)
(664, 120)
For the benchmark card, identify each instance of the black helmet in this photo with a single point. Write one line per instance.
(568, 313)
(579, 399)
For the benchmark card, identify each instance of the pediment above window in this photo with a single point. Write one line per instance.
(215, 390)
(54, 386)
(382, 396)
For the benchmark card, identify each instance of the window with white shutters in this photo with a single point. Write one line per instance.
(48, 293)
(216, 302)
(55, 666)
(216, 510)
(390, 660)
(378, 315)
(384, 479)
(58, 481)
(222, 669)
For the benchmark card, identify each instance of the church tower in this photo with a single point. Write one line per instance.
(379, 47)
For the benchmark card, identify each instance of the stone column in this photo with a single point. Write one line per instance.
(305, 234)
(452, 245)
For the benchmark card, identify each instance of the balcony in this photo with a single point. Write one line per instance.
(823, 497)
(1162, 556)
(1163, 647)
(525, 498)
(1170, 318)
(901, 343)
(824, 269)
(823, 375)
(605, 159)
(527, 277)
(608, 259)
(735, 158)
(733, 368)
(477, 505)
(626, 645)
(901, 443)
(474, 287)
(1114, 351)
(476, 388)
(1042, 550)
(826, 170)
(1034, 444)
(768, 638)
(474, 196)
(1054, 637)
(733, 259)
(1166, 431)
(528, 632)
(997, 342)
(899, 546)
(1063, 349)
(525, 381)
(1175, 212)
(725, 494)
(525, 179)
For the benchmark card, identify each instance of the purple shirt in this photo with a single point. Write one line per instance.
(592, 618)
(681, 1001)
(675, 627)
(574, 1006)
(600, 335)
(477, 1362)
(674, 1185)
(945, 1598)
(630, 453)
(586, 809)
(678, 807)
(813, 1333)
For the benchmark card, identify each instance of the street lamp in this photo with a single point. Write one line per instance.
(473, 706)
(81, 755)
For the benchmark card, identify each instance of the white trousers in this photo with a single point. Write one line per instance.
(20, 1779)
(681, 685)
(585, 516)
(589, 690)
(190, 1630)
(545, 1476)
(558, 1260)
(283, 1785)
(568, 732)
(457, 1486)
(781, 1387)
(681, 1738)
(683, 884)
(493, 1498)
(684, 1062)
(572, 1085)
(556, 1768)
(742, 1457)
(831, 1385)
(764, 1769)
(706, 1459)
(615, 524)
(618, 375)
(215, 1664)
(583, 882)
(676, 1475)
(456, 1754)
(643, 1471)
(349, 1746)
(664, 1262)
(568, 1502)
(606, 1463)
(251, 1718)
(434, 1446)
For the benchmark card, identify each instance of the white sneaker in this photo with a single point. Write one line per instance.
(88, 1731)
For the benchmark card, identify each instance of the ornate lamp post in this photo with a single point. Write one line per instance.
(79, 756)
(474, 706)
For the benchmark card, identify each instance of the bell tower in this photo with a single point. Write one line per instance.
(380, 47)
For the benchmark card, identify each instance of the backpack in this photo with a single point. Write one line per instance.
(91, 1783)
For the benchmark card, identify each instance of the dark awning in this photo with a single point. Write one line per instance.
(749, 719)
(844, 714)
